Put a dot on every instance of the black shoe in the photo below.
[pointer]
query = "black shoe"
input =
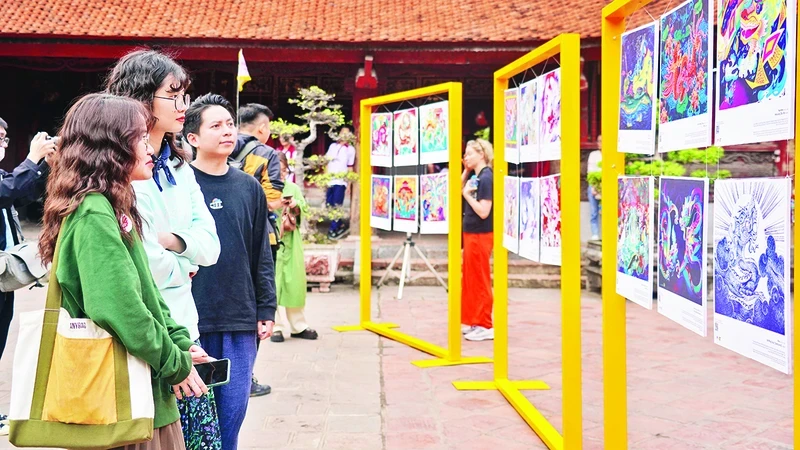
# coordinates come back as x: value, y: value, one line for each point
x: 343, y: 231
x: 308, y: 333
x: 277, y: 336
x: 257, y: 390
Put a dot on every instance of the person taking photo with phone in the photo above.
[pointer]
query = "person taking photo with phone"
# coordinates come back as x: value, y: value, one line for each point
x: 236, y: 297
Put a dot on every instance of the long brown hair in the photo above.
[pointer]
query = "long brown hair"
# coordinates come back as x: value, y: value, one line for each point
x: 139, y: 75
x: 96, y: 153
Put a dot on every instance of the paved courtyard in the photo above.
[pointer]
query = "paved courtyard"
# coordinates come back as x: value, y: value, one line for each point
x: 356, y: 391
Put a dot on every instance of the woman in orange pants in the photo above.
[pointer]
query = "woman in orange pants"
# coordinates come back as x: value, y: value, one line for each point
x: 476, y: 281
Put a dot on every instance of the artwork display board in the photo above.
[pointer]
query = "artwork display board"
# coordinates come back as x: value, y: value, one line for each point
x: 381, y: 146
x: 406, y: 203
x: 511, y: 121
x: 635, y: 240
x: 433, y: 199
x: 406, y: 137
x: 550, y: 206
x: 381, y: 202
x: 752, y: 245
x: 529, y: 218
x: 550, y: 118
x: 638, y: 104
x: 682, y: 256
x: 755, y: 71
x: 511, y: 214
x: 529, y: 129
x: 685, y: 77
x: 434, y: 133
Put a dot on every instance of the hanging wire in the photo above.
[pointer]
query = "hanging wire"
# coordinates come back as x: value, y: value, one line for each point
x: 386, y: 108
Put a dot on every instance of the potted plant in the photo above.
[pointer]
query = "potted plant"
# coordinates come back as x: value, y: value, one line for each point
x: 322, y: 255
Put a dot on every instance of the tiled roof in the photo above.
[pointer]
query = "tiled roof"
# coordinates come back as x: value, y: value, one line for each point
x: 430, y: 21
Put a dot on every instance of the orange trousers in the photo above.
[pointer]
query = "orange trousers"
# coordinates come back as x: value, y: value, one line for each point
x: 476, y: 281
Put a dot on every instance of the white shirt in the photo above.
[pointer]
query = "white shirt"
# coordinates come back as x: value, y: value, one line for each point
x: 342, y: 156
x: 593, y: 165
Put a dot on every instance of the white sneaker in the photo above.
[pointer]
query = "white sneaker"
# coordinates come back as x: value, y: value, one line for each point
x: 3, y: 429
x: 480, y: 334
x: 595, y: 237
x: 466, y: 328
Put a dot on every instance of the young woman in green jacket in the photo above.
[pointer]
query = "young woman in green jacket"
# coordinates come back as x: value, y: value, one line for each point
x: 102, y: 266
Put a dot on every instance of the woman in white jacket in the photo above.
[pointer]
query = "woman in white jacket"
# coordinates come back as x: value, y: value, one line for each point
x: 179, y: 233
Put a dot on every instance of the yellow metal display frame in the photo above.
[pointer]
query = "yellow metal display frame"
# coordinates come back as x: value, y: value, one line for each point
x: 615, y: 406
x: 451, y: 355
x: 568, y: 46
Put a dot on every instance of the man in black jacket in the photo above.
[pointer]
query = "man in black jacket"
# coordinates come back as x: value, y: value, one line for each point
x: 21, y: 186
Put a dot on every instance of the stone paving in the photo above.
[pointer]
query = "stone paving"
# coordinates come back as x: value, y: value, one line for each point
x: 356, y: 391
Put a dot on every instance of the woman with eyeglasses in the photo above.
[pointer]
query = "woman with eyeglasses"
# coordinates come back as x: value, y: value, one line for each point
x: 178, y: 230
x: 476, y: 281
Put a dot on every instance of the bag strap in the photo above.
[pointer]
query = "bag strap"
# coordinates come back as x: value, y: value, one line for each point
x: 246, y: 150
x: 52, y: 311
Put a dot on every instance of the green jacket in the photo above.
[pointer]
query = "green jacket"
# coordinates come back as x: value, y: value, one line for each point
x: 104, y: 279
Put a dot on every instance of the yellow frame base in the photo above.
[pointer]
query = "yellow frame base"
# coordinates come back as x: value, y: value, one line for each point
x: 511, y: 391
x: 385, y: 330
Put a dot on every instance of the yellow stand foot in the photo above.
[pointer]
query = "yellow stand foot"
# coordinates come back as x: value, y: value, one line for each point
x: 522, y: 385
x: 344, y: 328
x: 426, y: 363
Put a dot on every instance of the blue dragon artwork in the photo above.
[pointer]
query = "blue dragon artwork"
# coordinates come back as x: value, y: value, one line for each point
x: 680, y: 237
x: 750, y: 238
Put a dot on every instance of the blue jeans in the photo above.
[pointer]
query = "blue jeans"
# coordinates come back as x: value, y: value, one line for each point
x: 594, y: 212
x: 232, y: 398
x: 335, y: 197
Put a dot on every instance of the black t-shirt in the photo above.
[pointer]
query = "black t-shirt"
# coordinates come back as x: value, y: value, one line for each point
x: 472, y: 222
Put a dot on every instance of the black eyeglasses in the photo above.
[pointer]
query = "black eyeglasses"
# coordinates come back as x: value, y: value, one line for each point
x: 4, y: 141
x: 181, y: 101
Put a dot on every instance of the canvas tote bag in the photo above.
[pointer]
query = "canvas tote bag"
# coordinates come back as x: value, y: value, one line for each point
x: 73, y: 385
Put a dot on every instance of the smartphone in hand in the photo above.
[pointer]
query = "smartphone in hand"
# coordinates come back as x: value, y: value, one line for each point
x: 215, y: 373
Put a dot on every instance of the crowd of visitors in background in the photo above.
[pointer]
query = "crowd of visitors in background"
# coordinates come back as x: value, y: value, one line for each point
x: 188, y: 254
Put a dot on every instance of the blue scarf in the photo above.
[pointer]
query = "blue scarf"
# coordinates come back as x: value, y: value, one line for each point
x: 161, y: 162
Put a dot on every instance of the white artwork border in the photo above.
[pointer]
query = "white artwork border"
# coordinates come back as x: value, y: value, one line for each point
x: 406, y: 159
x: 764, y: 204
x: 529, y: 119
x: 511, y: 147
x: 439, y: 155
x: 381, y: 222
x: 377, y: 160
x: 766, y: 120
x: 549, y: 151
x: 529, y: 245
x: 635, y: 289
x: 511, y: 242
x: 435, y: 227
x: 677, y: 308
x: 696, y: 131
x: 643, y: 142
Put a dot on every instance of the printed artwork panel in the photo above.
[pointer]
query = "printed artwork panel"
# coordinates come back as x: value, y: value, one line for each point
x: 550, y: 192
x: 381, y: 202
x: 381, y: 146
x: 406, y: 203
x: 685, y: 77
x: 433, y: 133
x: 511, y: 102
x: 511, y: 214
x: 682, y: 260
x: 550, y: 118
x: 638, y: 98
x: 755, y: 71
x: 433, y: 199
x: 529, y: 129
x: 635, y: 240
x: 752, y: 245
x: 529, y: 218
x: 406, y: 137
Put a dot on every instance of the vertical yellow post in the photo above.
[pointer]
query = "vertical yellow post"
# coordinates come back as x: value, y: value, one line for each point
x: 365, y: 284
x: 500, y: 170
x: 571, y: 241
x: 454, y: 237
x: 615, y: 393
x: 796, y: 312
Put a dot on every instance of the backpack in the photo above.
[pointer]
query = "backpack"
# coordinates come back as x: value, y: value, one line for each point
x: 238, y: 160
